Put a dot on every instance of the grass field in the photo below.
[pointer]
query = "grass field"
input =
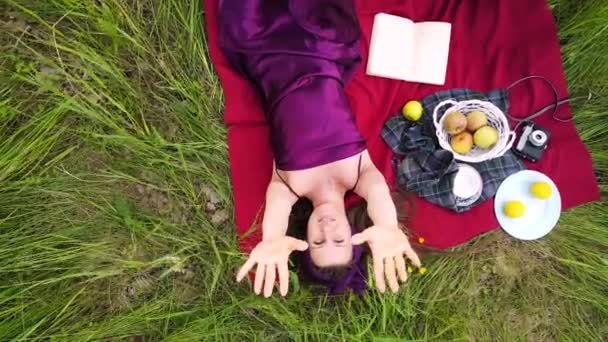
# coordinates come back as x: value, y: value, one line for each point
x: 115, y: 201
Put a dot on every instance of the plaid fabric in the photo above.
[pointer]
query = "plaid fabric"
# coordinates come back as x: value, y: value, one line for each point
x: 427, y: 170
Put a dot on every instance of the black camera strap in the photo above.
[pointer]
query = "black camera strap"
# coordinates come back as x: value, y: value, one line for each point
x: 554, y: 106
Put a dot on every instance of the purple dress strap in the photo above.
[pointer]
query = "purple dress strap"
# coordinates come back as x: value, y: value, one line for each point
x: 300, y: 54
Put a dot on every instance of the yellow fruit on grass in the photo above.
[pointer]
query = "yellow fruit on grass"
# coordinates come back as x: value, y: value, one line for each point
x: 485, y: 137
x: 412, y: 110
x: 476, y: 120
x: 455, y: 123
x: 462, y: 143
x: 514, y: 209
x: 541, y: 190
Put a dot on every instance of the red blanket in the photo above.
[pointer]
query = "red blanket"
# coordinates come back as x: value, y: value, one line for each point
x: 493, y: 44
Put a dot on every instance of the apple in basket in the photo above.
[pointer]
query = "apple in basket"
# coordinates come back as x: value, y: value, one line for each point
x: 485, y: 137
x: 476, y: 120
x: 462, y: 142
x: 455, y: 123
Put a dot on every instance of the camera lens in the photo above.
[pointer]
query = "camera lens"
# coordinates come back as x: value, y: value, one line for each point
x: 538, y: 138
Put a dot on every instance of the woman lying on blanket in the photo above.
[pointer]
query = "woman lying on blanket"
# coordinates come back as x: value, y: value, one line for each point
x: 300, y: 54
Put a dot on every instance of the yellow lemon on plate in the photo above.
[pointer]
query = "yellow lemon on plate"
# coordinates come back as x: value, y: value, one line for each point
x: 541, y: 190
x: 412, y: 110
x: 514, y: 209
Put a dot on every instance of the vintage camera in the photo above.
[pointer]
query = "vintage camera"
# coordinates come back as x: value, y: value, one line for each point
x: 533, y: 141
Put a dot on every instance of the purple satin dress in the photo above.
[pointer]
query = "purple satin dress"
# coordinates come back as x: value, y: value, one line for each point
x: 300, y: 54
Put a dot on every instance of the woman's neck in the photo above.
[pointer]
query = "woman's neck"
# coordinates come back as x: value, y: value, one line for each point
x: 328, y: 197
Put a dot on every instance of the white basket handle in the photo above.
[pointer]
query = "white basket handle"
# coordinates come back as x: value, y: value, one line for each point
x: 507, y: 146
x: 441, y: 104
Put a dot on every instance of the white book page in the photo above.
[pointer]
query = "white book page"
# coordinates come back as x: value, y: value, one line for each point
x: 391, y: 47
x: 430, y: 52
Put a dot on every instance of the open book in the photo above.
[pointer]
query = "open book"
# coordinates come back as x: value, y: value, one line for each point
x: 404, y: 50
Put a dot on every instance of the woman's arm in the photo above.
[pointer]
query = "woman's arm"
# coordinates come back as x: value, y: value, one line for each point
x: 279, y: 201
x: 386, y: 240
x: 373, y: 188
x: 272, y: 253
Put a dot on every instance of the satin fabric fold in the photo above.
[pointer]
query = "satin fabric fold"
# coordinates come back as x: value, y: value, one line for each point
x: 300, y: 54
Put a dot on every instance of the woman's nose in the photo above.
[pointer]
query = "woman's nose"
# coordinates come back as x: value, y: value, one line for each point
x: 326, y: 228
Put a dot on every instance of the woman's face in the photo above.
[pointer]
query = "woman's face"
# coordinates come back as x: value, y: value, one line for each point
x: 329, y: 237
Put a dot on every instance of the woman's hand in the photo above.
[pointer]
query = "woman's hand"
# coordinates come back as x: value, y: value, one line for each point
x: 388, y: 245
x: 271, y: 256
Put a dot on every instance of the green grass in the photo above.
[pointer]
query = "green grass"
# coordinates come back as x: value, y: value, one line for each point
x: 112, y: 138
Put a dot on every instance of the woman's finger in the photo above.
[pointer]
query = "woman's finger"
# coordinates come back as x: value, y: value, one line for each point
x: 269, y: 281
x: 401, y: 269
x: 245, y: 269
x: 283, y: 278
x: 391, y: 274
x: 259, y: 278
x: 359, y: 238
x: 412, y: 256
x: 379, y: 274
x: 298, y: 245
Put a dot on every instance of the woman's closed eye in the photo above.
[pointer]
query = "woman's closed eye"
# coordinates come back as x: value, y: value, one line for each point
x: 321, y: 242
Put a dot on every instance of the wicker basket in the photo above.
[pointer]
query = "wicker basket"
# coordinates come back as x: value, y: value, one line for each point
x: 496, y: 119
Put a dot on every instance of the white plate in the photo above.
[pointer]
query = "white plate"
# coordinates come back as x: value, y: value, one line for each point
x: 540, y: 216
